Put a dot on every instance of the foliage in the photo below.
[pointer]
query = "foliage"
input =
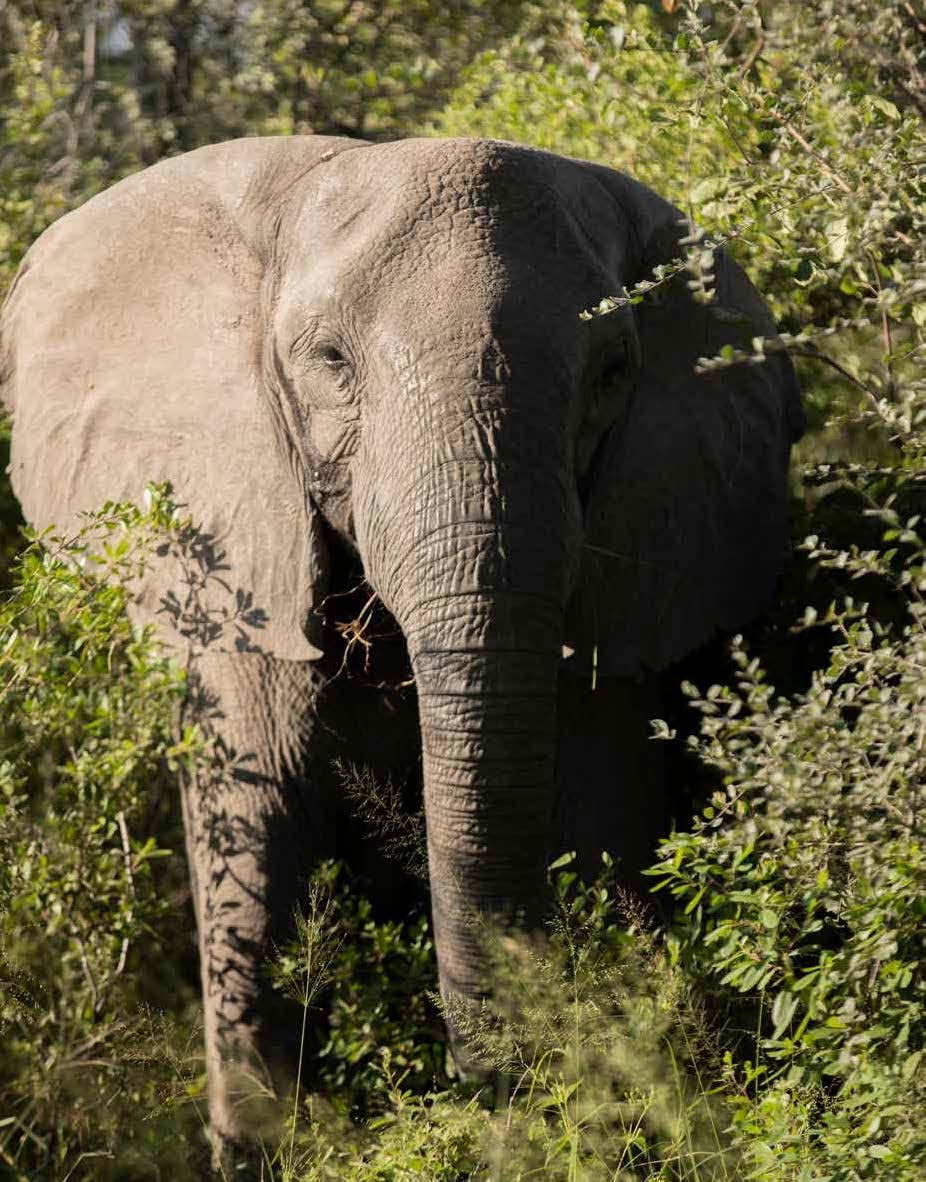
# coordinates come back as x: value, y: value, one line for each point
x: 11, y: 521
x: 595, y: 1039
x: 378, y: 975
x: 804, y: 882
x: 86, y: 801
x: 62, y: 138
x: 605, y: 1044
x: 793, y: 131
x: 365, y: 69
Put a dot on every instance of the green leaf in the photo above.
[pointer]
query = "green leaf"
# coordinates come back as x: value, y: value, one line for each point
x: 884, y: 106
x: 837, y: 238
x: 783, y: 1009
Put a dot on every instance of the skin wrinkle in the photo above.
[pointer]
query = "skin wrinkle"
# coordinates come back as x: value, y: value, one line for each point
x: 414, y: 606
x: 497, y: 651
x: 490, y: 670
x: 530, y: 766
x: 419, y: 606
x: 488, y: 513
x: 460, y: 814
x: 508, y: 782
x: 449, y: 734
x: 501, y: 796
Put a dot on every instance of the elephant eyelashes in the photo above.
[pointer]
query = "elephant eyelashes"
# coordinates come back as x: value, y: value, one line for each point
x: 312, y: 351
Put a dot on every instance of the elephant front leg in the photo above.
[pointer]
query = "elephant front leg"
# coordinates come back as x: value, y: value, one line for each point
x: 254, y: 831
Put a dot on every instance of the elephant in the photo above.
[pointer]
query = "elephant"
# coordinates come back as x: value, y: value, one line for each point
x: 374, y: 361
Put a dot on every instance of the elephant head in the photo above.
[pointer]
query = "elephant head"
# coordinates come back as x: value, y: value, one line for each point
x: 321, y: 343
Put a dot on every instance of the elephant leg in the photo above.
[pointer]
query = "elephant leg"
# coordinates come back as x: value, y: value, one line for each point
x: 255, y: 827
x: 611, y: 775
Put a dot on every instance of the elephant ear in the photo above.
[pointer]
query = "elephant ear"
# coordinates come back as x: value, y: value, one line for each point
x: 687, y: 514
x: 131, y: 353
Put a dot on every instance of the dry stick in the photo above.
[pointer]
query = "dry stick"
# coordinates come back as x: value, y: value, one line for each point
x: 85, y: 965
x: 751, y: 59
x: 17, y: 1177
x: 127, y: 861
x: 734, y: 29
x: 89, y: 53
x: 78, y: 936
x: 919, y: 750
x: 809, y: 351
x: 908, y: 8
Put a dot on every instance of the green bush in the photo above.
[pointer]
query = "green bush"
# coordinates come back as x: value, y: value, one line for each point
x: 594, y: 1036
x: 804, y: 892
x: 379, y: 979
x: 89, y: 950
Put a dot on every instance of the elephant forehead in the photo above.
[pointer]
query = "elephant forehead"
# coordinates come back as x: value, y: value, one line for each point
x: 470, y: 213
x: 497, y: 326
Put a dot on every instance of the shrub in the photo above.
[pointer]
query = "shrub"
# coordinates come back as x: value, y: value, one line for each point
x: 804, y: 885
x: 379, y: 1011
x: 88, y: 890
x: 594, y: 1035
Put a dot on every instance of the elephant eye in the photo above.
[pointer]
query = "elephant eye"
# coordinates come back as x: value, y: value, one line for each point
x: 332, y: 357
x: 618, y: 365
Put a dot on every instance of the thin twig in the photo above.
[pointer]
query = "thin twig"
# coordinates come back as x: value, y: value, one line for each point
x: 127, y: 862
x: 808, y: 351
x: 88, y: 971
x: 885, y: 327
x: 812, y: 151
x: 908, y: 8
x: 751, y: 59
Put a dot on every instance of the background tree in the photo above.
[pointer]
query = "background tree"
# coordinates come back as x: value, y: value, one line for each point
x: 92, y: 91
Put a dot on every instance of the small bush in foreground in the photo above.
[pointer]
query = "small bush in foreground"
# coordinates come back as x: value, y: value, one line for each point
x: 804, y: 886
x: 88, y: 892
x: 593, y: 1039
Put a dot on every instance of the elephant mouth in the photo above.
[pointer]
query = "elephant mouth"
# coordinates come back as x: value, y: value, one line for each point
x: 363, y: 640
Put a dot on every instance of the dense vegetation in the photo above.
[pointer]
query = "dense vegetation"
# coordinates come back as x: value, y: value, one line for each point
x: 774, y: 1028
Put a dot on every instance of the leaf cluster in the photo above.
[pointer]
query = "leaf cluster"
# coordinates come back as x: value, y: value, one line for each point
x: 87, y: 801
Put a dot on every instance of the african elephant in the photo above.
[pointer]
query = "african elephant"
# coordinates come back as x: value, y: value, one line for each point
x: 344, y: 354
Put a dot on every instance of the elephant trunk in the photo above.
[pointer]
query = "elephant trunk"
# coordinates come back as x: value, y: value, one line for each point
x: 486, y: 672
x: 490, y: 528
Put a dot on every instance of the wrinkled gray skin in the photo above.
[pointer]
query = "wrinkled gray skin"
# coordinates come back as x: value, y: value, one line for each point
x: 331, y: 347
